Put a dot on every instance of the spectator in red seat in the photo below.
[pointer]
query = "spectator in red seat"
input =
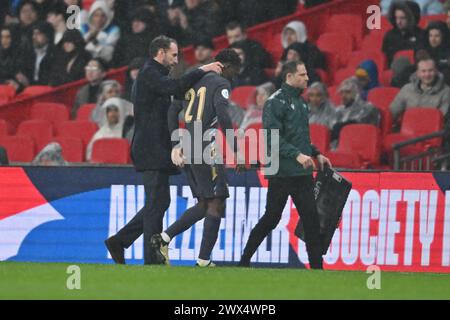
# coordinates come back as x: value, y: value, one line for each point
x: 406, y: 35
x: 144, y: 28
x: 100, y: 34
x: 36, y: 63
x: 438, y: 43
x: 110, y: 89
x: 367, y: 76
x: 51, y: 155
x: 296, y: 52
x: 9, y: 51
x: 254, y: 112
x: 235, y: 32
x: 426, y: 89
x: 196, y: 19
x: 113, y: 118
x: 322, y: 110
x: 95, y: 73
x: 250, y: 74
x: 57, y: 18
x: 295, y: 31
x: 70, y: 59
x: 354, y: 108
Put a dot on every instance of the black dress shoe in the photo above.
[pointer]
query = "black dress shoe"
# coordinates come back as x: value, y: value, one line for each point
x: 116, y: 250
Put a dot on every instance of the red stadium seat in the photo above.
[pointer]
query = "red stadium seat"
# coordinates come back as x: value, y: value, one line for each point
x: 72, y: 148
x: 19, y: 149
x: 335, y: 97
x: 113, y: 151
x: 34, y: 91
x: 337, y: 47
x: 320, y: 136
x: 7, y: 93
x: 417, y: 122
x: 275, y: 48
x: 347, y: 23
x: 386, y: 78
x: 83, y: 130
x: 343, y: 74
x: 323, y: 76
x: 41, y: 131
x: 359, y: 147
x: 53, y: 112
x: 382, y: 97
x: 85, y: 111
x: 405, y: 53
x: 243, y: 96
x: 425, y: 20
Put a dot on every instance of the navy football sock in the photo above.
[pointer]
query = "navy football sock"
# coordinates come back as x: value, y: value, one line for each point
x: 188, y: 219
x: 210, y: 234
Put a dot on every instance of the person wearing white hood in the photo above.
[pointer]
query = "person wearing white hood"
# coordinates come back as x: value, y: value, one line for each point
x: 295, y: 31
x: 100, y: 34
x: 114, y: 118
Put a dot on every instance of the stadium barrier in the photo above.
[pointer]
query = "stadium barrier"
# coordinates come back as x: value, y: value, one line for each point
x: 399, y: 221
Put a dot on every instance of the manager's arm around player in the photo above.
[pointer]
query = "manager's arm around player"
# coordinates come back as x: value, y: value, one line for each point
x: 287, y: 112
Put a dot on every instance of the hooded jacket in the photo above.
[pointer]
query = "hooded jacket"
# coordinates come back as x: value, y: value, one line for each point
x: 371, y: 69
x: 104, y: 43
x: 410, y: 39
x: 440, y: 54
x: 411, y: 95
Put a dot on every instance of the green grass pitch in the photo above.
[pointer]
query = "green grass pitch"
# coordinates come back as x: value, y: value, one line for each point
x: 48, y: 281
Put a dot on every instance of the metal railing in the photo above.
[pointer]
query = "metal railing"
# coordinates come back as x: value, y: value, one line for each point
x: 423, y: 160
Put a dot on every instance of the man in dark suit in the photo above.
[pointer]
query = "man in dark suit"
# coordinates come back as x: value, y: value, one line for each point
x: 151, y: 147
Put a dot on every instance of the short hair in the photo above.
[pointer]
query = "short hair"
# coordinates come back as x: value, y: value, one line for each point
x: 290, y: 67
x: 101, y: 62
x: 160, y: 42
x: 230, y: 57
x: 425, y: 59
x: 233, y: 25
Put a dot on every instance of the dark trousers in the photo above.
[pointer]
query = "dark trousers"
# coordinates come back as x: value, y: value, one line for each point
x: 149, y: 220
x: 301, y: 190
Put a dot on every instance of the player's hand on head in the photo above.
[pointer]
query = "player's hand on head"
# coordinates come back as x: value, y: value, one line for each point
x: 306, y: 161
x: 323, y: 162
x: 178, y: 157
x: 214, y: 67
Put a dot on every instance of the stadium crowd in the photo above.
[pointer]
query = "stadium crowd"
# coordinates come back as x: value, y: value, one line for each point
x: 38, y: 48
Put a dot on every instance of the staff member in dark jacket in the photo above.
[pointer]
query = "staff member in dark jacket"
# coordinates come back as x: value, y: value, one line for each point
x: 287, y: 112
x: 151, y: 147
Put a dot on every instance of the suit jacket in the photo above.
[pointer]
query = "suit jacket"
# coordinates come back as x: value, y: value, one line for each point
x: 151, y: 95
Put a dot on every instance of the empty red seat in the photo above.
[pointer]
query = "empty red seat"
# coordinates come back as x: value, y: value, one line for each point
x: 19, y: 149
x: 243, y: 96
x: 72, y: 148
x: 7, y: 93
x: 382, y: 97
x: 41, y: 131
x: 347, y: 23
x: 416, y: 122
x: 386, y: 78
x: 113, y: 151
x: 343, y: 74
x: 83, y: 130
x: 335, y: 97
x: 359, y: 147
x: 53, y: 112
x: 320, y: 136
x: 85, y: 111
x: 34, y: 91
x: 337, y: 47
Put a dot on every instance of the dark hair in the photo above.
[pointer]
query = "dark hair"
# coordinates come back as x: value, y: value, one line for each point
x: 24, y: 3
x: 160, y: 42
x: 233, y: 25
x: 426, y: 58
x: 289, y: 67
x: 102, y: 63
x: 229, y: 57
